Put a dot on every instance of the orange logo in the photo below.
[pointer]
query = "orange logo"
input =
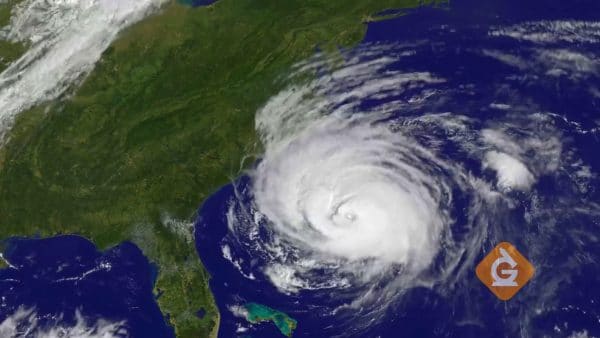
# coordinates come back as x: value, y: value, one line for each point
x: 504, y: 271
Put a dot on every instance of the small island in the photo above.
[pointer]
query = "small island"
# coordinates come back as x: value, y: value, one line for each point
x: 256, y: 313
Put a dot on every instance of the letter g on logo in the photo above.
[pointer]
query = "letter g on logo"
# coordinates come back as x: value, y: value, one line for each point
x: 512, y: 274
x: 504, y: 271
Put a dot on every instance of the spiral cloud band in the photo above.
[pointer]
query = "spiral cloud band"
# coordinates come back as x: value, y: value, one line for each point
x: 355, y: 192
x: 372, y: 182
x: 343, y: 193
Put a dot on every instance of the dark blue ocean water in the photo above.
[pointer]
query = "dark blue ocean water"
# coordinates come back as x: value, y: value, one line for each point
x: 198, y: 3
x: 59, y: 275
x: 455, y: 36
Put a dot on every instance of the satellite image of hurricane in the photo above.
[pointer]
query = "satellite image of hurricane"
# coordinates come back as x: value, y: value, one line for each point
x: 303, y: 169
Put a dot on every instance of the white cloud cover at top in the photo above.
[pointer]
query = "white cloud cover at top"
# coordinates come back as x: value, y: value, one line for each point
x: 547, y: 31
x: 65, y: 38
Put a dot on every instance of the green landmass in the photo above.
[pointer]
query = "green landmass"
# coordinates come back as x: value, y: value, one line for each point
x: 165, y: 119
x: 3, y: 262
x: 5, y: 11
x: 261, y: 313
x: 9, y: 51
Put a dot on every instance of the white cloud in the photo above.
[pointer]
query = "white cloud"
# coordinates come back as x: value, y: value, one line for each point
x: 521, y: 151
x: 26, y: 323
x: 552, y: 31
x: 581, y: 334
x: 184, y: 229
x: 66, y: 38
x: 511, y: 173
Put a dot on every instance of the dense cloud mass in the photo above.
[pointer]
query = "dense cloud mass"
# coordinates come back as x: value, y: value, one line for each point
x: 65, y: 38
x: 373, y: 181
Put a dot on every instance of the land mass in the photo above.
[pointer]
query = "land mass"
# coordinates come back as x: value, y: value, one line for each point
x: 9, y: 50
x: 165, y: 119
x: 257, y: 313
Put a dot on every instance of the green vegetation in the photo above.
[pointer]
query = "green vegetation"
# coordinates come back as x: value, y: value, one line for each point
x: 164, y: 120
x: 3, y: 263
x: 5, y: 10
x: 9, y: 51
x: 260, y: 313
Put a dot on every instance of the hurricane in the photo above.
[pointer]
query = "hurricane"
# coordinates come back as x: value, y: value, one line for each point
x: 368, y: 198
x: 382, y: 177
x: 353, y: 194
